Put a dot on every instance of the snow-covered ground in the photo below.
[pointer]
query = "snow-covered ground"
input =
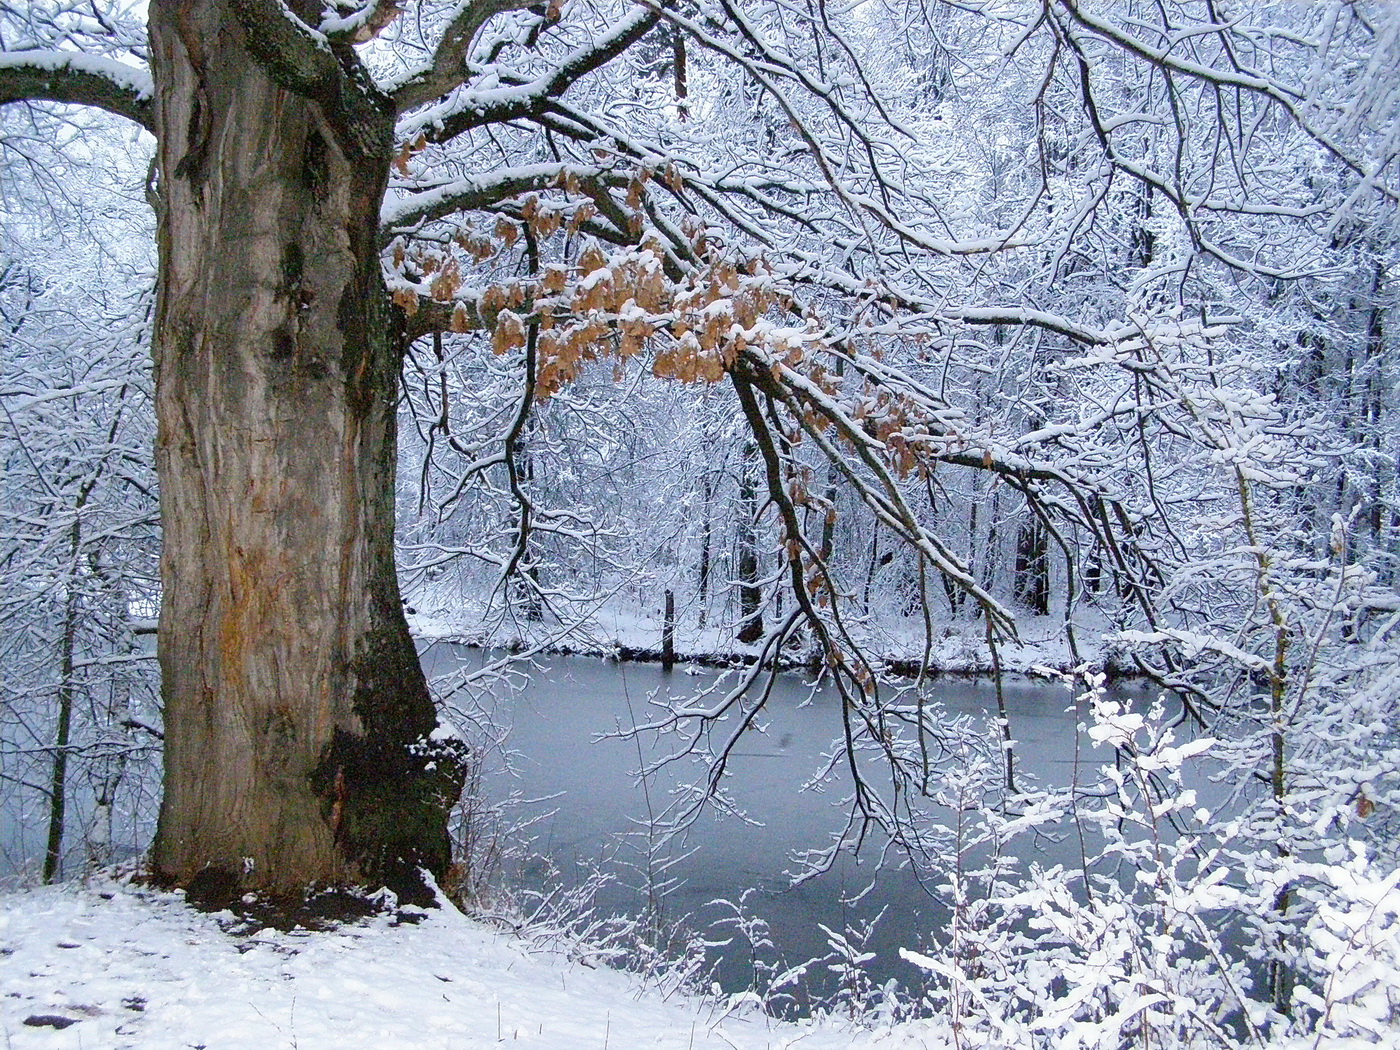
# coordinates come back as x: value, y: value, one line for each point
x: 113, y: 965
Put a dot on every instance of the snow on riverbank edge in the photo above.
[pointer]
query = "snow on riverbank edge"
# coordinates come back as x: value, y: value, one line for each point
x: 960, y: 648
x: 132, y: 967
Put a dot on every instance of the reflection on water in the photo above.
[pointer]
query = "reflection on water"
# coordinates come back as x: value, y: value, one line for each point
x: 563, y: 733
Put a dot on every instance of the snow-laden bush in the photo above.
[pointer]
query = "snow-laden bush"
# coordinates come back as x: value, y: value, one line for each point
x: 1350, y: 955
x: 1171, y: 933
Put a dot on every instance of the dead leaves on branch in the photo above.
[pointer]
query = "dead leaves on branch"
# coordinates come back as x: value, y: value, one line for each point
x: 602, y: 305
x: 407, y: 152
x: 620, y: 304
x: 618, y: 307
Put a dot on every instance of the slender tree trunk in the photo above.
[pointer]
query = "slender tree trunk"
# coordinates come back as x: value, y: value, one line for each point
x: 1374, y: 414
x: 1093, y: 569
x: 527, y: 584
x: 750, y: 594
x: 668, y: 632
x: 297, y: 718
x: 58, y: 781
x: 703, y: 584
x: 957, y: 597
x: 991, y: 563
x: 1032, y: 584
x: 873, y: 564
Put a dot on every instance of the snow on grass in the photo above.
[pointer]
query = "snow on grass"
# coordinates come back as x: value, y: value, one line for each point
x: 130, y: 967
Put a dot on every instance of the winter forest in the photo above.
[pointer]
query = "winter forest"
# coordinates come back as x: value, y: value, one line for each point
x: 362, y: 360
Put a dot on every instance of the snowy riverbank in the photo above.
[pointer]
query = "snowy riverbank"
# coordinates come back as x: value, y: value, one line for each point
x: 635, y: 633
x: 111, y: 965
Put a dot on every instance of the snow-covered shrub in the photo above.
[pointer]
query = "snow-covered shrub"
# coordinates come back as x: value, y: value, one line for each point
x: 1349, y: 954
x: 1166, y: 935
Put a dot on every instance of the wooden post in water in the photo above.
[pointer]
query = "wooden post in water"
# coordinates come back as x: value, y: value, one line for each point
x: 668, y: 633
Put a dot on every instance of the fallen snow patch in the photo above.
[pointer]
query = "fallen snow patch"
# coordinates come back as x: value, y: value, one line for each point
x: 130, y: 967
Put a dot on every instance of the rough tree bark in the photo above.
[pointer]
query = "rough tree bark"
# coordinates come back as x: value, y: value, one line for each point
x: 298, y: 725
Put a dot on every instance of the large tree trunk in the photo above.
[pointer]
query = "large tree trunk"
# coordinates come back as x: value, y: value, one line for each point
x: 297, y: 718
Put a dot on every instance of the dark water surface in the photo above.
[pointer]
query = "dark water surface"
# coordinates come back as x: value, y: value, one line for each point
x: 563, y: 734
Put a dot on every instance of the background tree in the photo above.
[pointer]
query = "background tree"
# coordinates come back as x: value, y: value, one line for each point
x: 79, y: 723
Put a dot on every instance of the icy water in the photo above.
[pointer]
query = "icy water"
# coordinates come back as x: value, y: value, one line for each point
x: 564, y: 726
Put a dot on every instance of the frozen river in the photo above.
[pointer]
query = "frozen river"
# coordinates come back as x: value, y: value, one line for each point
x: 564, y: 726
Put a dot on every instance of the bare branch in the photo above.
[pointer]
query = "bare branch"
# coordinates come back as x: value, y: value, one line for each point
x: 78, y: 79
x: 532, y: 99
x: 482, y: 192
x: 448, y: 69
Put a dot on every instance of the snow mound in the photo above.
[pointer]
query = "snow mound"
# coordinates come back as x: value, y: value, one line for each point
x: 113, y: 965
